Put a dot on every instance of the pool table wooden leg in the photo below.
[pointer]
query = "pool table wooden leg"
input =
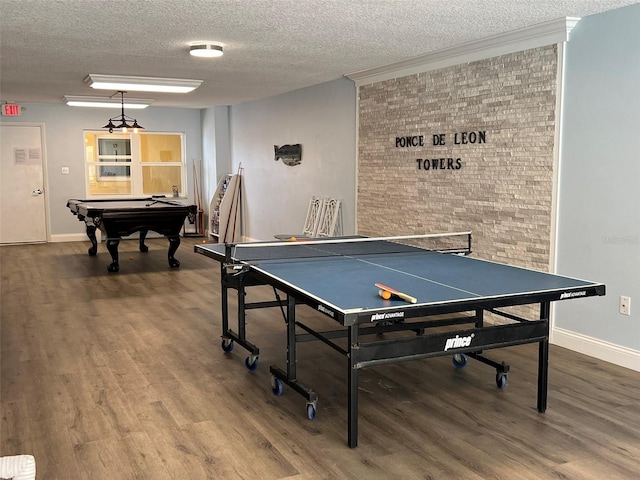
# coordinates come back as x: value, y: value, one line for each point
x: 112, y: 246
x: 91, y: 233
x: 174, y: 243
x: 143, y: 236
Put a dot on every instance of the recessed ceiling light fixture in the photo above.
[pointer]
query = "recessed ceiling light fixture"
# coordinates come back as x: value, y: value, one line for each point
x: 206, y: 50
x: 141, y: 84
x: 106, y: 102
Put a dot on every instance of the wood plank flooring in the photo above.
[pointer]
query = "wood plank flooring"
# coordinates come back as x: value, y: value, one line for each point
x: 121, y: 376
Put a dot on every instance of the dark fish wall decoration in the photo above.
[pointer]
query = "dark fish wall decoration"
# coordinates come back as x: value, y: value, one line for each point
x: 291, y: 155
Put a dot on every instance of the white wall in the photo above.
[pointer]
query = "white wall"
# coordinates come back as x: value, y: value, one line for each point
x: 64, y: 145
x: 215, y: 151
x: 323, y: 119
x: 599, y: 186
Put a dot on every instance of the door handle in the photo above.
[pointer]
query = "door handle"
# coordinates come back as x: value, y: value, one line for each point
x: 37, y: 192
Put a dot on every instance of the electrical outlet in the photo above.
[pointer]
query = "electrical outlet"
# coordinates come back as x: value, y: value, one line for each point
x: 65, y: 170
x: 625, y: 305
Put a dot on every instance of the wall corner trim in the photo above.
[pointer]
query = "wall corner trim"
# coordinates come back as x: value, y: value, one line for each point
x: 547, y: 33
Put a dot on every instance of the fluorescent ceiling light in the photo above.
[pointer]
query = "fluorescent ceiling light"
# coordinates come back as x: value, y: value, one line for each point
x: 206, y: 50
x: 141, y: 84
x: 106, y: 102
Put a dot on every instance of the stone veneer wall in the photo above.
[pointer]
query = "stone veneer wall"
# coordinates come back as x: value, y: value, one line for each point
x: 503, y: 190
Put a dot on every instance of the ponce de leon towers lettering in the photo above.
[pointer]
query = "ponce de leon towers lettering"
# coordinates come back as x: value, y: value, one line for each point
x: 439, y: 140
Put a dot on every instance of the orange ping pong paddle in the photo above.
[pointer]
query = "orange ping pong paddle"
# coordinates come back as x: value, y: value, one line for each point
x: 394, y: 292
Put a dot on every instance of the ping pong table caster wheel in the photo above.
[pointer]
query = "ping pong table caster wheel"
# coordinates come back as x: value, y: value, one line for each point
x: 251, y: 362
x: 276, y: 386
x: 501, y: 379
x: 227, y: 345
x: 459, y: 360
x: 311, y: 411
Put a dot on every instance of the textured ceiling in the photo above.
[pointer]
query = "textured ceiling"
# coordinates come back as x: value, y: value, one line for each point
x: 271, y: 46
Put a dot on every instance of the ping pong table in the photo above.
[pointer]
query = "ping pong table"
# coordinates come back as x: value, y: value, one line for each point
x: 336, y: 277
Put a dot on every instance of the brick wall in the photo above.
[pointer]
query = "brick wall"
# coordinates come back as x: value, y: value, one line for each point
x: 503, y: 188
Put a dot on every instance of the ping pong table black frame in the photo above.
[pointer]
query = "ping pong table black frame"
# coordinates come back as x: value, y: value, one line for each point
x: 361, y: 354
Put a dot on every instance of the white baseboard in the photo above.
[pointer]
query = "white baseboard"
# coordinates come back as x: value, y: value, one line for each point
x: 609, y: 352
x: 69, y: 237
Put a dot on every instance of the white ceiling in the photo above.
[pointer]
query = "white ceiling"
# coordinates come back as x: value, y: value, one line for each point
x: 271, y: 46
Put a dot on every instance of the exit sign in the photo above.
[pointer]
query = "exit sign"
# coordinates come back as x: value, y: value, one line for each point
x: 11, y: 110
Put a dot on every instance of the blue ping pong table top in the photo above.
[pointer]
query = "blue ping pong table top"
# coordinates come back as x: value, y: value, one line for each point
x: 346, y: 283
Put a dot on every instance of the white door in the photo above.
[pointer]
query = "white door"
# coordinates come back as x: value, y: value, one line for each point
x: 22, y: 199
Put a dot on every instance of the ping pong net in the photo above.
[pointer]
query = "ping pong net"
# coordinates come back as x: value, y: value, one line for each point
x: 247, y: 253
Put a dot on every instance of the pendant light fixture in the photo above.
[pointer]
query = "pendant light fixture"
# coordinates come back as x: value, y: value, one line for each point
x: 123, y: 125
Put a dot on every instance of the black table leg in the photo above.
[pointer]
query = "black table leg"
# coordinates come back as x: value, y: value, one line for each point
x: 143, y: 236
x: 290, y: 376
x: 112, y: 246
x: 174, y: 243
x: 224, y: 300
x: 543, y: 374
x: 543, y: 362
x: 352, y: 418
x: 91, y: 233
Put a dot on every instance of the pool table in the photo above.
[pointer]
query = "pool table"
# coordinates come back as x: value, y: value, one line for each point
x: 117, y: 218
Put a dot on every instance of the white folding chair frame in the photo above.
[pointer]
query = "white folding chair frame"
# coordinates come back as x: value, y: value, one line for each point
x: 324, y: 219
x: 331, y: 221
x: 314, y: 217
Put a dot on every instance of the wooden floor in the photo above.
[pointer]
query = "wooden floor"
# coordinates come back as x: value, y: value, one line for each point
x: 121, y: 376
